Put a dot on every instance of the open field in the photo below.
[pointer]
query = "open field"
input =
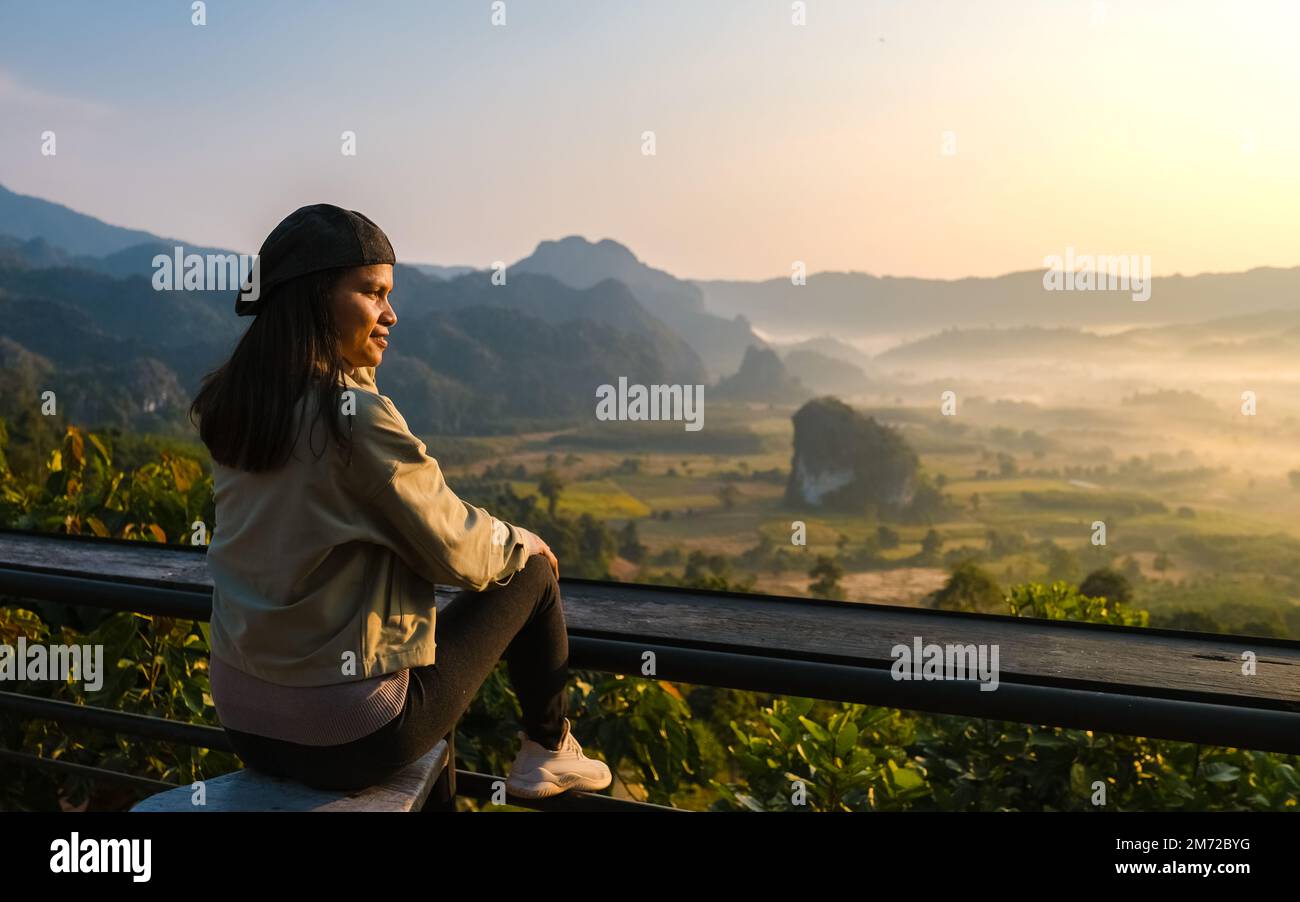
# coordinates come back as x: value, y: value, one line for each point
x: 1201, y: 516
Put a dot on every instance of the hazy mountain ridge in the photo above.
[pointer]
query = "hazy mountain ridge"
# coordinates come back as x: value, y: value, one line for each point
x: 860, y: 304
x: 434, y: 271
x: 606, y: 313
x: 719, y: 341
x: 1257, y: 339
x: 762, y: 378
x: 26, y: 217
x: 547, y: 299
x: 467, y: 355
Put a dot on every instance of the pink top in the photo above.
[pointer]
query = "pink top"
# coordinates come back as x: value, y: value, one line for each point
x: 307, y: 715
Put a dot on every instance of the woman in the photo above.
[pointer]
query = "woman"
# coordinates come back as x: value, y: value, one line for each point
x: 323, y: 562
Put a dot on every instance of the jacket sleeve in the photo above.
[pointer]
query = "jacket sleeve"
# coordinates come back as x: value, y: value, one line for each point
x: 441, y: 537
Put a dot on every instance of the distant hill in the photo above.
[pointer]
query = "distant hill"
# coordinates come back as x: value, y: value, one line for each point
x: 826, y: 346
x: 1183, y: 404
x: 37, y: 253
x: 548, y: 299
x: 17, y: 359
x: 1254, y: 343
x: 441, y: 272
x: 76, y: 233
x: 475, y: 368
x: 762, y: 377
x: 981, y: 345
x: 466, y: 356
x: 846, y: 461
x: 137, y: 260
x: 127, y: 307
x: 515, y: 367
x: 863, y: 305
x: 94, y: 279
x: 720, y: 342
x: 825, y: 374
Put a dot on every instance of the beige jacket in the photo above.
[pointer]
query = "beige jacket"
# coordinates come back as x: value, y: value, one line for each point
x: 324, y: 573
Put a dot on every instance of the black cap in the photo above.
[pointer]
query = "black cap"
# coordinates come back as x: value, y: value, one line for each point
x: 321, y: 236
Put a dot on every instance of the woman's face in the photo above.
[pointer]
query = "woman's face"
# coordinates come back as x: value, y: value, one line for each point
x: 362, y: 313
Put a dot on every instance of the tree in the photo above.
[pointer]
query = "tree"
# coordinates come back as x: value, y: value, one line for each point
x: 826, y: 574
x: 887, y: 537
x: 1107, y: 583
x: 629, y: 543
x: 969, y: 588
x: 927, y: 503
x: 707, y: 571
x: 549, y: 486
x: 1006, y: 465
x: 1061, y: 563
x: 931, y: 544
x: 1002, y: 544
x: 728, y: 494
x: 1131, y: 570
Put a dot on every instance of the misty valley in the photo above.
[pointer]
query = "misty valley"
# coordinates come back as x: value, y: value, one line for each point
x: 944, y: 459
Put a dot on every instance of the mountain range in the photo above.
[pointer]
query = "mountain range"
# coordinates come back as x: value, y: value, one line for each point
x: 468, y: 355
x: 79, y: 309
x: 878, y: 311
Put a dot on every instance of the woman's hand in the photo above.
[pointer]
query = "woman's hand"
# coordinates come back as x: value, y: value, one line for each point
x: 535, y: 545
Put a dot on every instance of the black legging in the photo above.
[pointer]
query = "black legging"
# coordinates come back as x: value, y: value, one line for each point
x: 522, y: 622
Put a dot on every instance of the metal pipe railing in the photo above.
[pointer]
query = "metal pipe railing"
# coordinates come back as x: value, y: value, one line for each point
x: 469, y: 784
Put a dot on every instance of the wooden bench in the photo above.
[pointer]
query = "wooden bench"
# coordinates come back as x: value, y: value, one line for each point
x: 1156, y: 683
x: 248, y: 790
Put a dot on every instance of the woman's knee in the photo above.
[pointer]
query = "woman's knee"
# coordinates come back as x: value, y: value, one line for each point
x: 539, y: 582
x: 537, y: 569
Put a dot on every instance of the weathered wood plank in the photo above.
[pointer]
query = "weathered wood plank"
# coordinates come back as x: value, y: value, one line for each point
x: 141, y: 563
x: 1043, y: 652
x: 249, y: 790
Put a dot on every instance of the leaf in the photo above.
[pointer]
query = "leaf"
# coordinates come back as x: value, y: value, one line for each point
x: 193, y: 698
x: 1047, y: 740
x: 1079, y: 780
x: 846, y: 740
x: 815, y: 729
x: 97, y: 527
x: 157, y: 532
x: 906, y: 779
x: 184, y: 471
x: 75, y: 447
x: 1220, y: 772
x: 100, y: 449
x: 670, y: 689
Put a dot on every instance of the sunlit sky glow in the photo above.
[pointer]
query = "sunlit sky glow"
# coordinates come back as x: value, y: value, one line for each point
x: 1127, y: 127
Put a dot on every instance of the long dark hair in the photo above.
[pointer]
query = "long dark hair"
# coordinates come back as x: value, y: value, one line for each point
x: 246, y: 406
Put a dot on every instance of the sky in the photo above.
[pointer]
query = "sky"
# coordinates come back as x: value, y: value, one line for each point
x: 899, y: 137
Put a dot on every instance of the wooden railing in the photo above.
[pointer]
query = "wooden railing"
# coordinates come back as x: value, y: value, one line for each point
x: 1135, y: 681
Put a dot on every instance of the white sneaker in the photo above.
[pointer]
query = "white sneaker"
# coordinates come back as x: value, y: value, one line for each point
x: 539, y: 772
